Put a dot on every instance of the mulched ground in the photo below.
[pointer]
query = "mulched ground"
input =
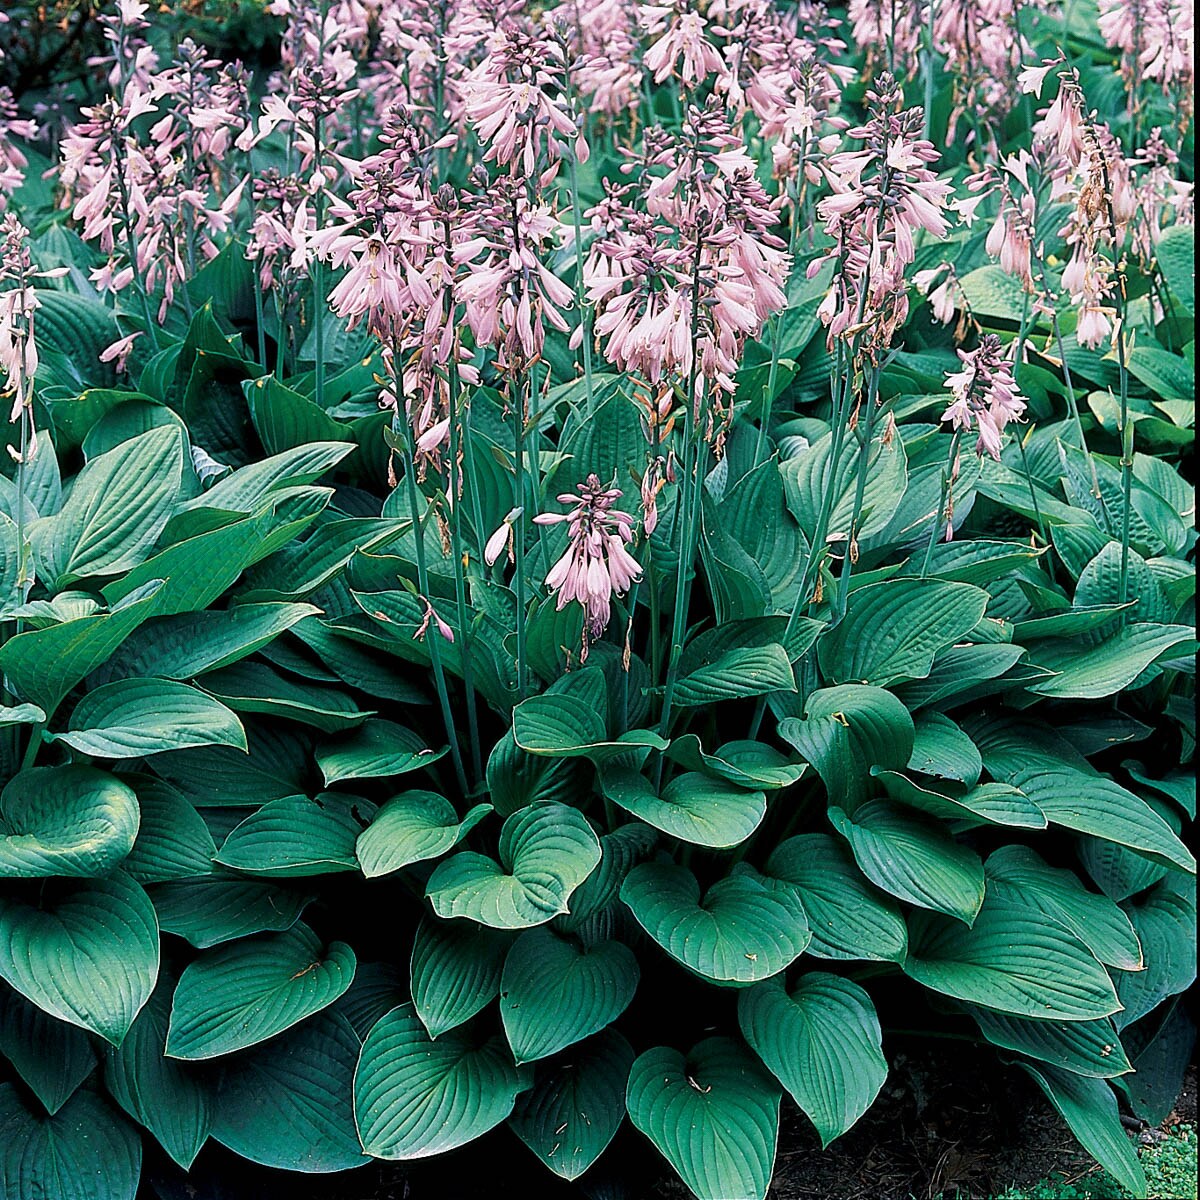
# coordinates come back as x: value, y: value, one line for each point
x: 948, y: 1122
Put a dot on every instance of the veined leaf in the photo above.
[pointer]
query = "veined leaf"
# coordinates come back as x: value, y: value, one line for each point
x: 742, y: 931
x: 822, y: 1041
x: 209, y: 911
x: 86, y: 953
x: 135, y: 717
x: 713, y: 1115
x: 576, y: 1105
x: 455, y: 971
x: 1085, y: 1047
x: 241, y: 994
x: 1014, y: 959
x: 895, y: 629
x: 692, y: 807
x: 554, y: 992
x: 1110, y: 665
x: 52, y: 1057
x: 546, y: 852
x: 69, y: 820
x: 376, y: 749
x: 413, y: 827
x: 414, y: 1097
x: 746, y: 671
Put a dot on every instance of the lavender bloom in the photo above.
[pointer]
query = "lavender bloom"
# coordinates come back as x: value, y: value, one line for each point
x: 596, y: 565
x: 985, y: 395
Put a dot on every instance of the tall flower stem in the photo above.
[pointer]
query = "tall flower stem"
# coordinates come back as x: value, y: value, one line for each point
x: 517, y: 403
x: 401, y: 426
x: 1018, y: 359
x: 863, y: 436
x: 939, y: 514
x: 460, y: 586
x: 580, y: 299
x: 929, y: 67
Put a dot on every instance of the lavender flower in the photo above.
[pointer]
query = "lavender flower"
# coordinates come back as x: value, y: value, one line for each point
x: 985, y: 395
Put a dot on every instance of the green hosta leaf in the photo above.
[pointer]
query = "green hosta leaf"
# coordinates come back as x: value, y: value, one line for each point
x: 1096, y: 805
x: 943, y: 750
x: 43, y: 665
x: 598, y: 896
x: 894, y: 630
x: 822, y: 1042
x: 1165, y: 920
x: 413, y: 827
x: 455, y: 971
x: 207, y: 912
x: 285, y: 420
x: 296, y: 836
x: 134, y: 717
x: 1089, y: 1107
x: 546, y: 852
x: 376, y: 749
x: 1108, y: 667
x: 289, y: 1105
x: 86, y: 1151
x: 1160, y: 1057
x: 567, y: 726
x: 239, y: 995
x: 1176, y: 254
x: 189, y: 644
x: 414, y: 1097
x: 173, y: 1100
x: 912, y: 859
x: 575, y: 1108
x: 52, y: 1057
x: 958, y: 670
x: 748, y: 671
x: 70, y: 820
x: 848, y: 730
x: 1117, y: 872
x: 984, y: 804
x: 173, y: 841
x: 117, y: 507
x: 692, y: 807
x: 745, y: 764
x: 742, y: 931
x: 253, y: 687
x: 849, y: 918
x: 377, y: 988
x: 516, y: 778
x: 1085, y: 1047
x: 1014, y: 959
x: 1016, y: 873
x: 84, y: 952
x: 714, y: 1116
x: 555, y: 992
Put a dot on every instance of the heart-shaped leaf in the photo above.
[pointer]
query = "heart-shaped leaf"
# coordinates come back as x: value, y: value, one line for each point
x: 296, y: 836
x: 714, y: 1116
x: 822, y: 1042
x: 70, y: 820
x: 849, y: 917
x: 174, y: 1100
x: 744, y: 930
x: 546, y: 852
x: 555, y: 992
x: 414, y: 1097
x: 568, y: 726
x: 84, y: 952
x: 173, y: 842
x: 134, y: 717
x: 53, y: 1058
x: 692, y: 807
x: 84, y: 1147
x: 241, y: 994
x: 575, y: 1108
x: 914, y: 860
x: 1015, y: 959
x: 288, y: 1104
x: 1085, y: 1047
x: 455, y: 971
x: 942, y: 749
x: 410, y: 828
x: 746, y: 764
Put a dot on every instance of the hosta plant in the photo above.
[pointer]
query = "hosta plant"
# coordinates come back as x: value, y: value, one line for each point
x: 516, y: 613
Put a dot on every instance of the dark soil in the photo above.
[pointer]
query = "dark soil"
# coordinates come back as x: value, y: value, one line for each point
x: 949, y: 1122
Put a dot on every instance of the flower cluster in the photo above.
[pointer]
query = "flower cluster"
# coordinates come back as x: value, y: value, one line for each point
x: 596, y: 565
x: 985, y: 394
